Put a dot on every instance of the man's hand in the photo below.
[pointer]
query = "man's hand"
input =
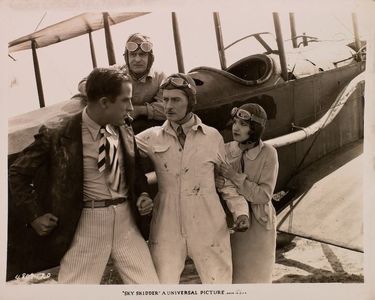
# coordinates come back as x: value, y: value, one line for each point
x: 138, y: 110
x: 43, y: 225
x: 82, y: 87
x: 242, y: 223
x: 144, y: 204
x: 227, y: 171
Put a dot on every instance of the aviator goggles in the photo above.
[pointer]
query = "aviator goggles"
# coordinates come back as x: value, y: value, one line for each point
x: 145, y: 46
x: 177, y: 82
x: 246, y: 116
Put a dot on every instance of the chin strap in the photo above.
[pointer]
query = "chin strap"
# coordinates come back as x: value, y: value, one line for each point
x: 186, y: 118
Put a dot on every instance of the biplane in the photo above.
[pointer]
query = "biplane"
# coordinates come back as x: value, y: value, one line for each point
x: 313, y: 96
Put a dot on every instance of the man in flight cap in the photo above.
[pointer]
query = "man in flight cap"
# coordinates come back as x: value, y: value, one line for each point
x: 188, y: 218
x: 139, y: 58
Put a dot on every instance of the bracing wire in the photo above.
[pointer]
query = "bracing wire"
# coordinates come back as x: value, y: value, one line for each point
x: 37, y: 26
x: 343, y: 25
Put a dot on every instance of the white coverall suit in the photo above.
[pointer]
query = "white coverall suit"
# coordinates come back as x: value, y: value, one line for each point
x: 188, y: 218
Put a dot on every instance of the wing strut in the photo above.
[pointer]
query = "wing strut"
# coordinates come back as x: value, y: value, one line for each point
x: 108, y: 40
x: 38, y: 78
x: 177, y: 44
x: 293, y: 29
x: 280, y: 46
x: 219, y: 40
x: 92, y: 50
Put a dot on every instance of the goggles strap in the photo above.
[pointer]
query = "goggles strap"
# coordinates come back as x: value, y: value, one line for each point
x: 245, y: 115
x: 177, y: 82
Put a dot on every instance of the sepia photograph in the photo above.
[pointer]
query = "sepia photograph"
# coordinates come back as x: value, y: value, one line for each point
x: 189, y: 150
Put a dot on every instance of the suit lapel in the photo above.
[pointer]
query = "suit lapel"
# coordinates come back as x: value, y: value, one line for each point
x: 127, y: 142
x: 127, y: 146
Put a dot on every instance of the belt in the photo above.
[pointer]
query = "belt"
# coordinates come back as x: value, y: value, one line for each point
x: 103, y: 202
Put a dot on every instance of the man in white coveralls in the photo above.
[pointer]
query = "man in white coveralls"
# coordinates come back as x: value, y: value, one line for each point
x: 188, y: 218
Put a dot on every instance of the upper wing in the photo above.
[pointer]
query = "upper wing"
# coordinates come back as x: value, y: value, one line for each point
x: 70, y: 28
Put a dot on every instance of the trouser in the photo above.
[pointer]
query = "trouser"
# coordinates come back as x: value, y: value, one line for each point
x: 213, y: 261
x: 103, y: 233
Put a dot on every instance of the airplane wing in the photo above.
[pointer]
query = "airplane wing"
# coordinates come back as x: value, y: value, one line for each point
x: 329, y: 206
x: 70, y: 28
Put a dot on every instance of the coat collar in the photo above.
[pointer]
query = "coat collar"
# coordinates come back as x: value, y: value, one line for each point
x: 150, y: 74
x: 126, y: 136
x: 73, y: 129
x: 250, y: 154
x: 186, y: 126
x: 167, y: 126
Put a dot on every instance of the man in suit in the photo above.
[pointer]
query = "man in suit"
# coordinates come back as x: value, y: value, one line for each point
x: 95, y: 193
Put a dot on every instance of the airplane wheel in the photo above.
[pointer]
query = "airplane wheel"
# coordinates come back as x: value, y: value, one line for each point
x: 283, y: 240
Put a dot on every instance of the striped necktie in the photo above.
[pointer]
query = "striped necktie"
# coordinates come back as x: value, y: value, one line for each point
x: 108, y: 159
x: 181, y: 135
x: 102, y: 144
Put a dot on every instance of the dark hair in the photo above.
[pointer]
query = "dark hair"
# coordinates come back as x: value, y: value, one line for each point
x: 105, y: 82
x: 256, y: 131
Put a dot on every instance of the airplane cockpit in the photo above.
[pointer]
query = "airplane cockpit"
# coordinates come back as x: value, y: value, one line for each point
x: 255, y: 69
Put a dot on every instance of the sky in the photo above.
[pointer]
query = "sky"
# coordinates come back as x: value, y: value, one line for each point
x: 63, y: 65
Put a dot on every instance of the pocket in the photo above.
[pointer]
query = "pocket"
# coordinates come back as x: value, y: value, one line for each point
x: 160, y: 148
x: 161, y: 156
x: 210, y: 203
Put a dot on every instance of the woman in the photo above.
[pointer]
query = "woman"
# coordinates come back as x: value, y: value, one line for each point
x: 253, y: 167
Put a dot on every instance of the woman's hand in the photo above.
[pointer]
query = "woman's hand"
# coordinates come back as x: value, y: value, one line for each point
x: 242, y: 223
x: 219, y: 181
x: 227, y: 171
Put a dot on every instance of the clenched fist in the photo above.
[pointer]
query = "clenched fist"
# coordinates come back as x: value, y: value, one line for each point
x: 43, y: 225
x: 144, y: 204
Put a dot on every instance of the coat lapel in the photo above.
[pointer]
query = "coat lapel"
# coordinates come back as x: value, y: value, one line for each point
x: 127, y: 135
x: 127, y: 146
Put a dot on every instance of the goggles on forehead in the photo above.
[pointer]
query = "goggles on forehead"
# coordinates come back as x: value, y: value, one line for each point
x: 246, y: 116
x: 177, y: 82
x: 145, y: 46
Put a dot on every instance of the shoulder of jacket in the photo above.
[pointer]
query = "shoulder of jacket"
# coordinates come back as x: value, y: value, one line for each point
x: 232, y: 149
x: 269, y: 149
x: 231, y: 145
x: 159, y: 74
x: 58, y: 125
x: 150, y: 132
x: 211, y: 131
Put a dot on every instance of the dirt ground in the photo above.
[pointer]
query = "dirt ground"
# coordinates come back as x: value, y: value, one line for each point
x: 306, y: 261
x: 309, y: 261
x: 300, y: 260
